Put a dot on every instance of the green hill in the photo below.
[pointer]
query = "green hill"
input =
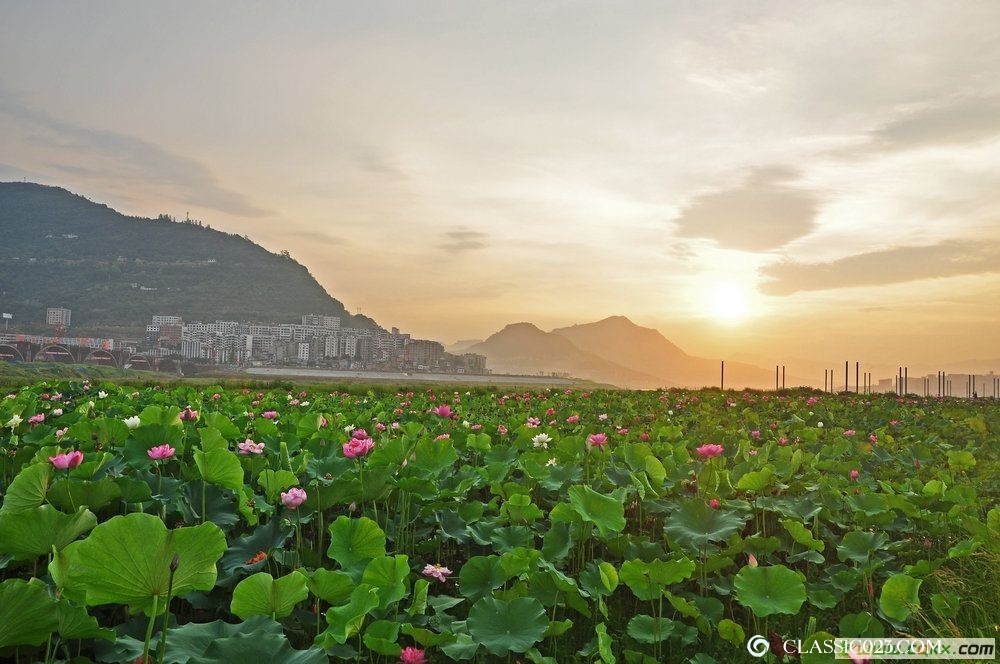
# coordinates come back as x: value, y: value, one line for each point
x: 60, y: 249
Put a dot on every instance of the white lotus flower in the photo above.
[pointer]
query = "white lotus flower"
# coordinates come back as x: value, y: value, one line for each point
x: 132, y: 422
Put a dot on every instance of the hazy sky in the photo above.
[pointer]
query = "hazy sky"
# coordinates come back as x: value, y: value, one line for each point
x: 771, y: 181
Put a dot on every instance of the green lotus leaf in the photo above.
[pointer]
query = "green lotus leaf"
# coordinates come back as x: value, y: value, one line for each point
x: 380, y: 637
x: 262, y: 595
x: 27, y: 614
x: 899, y: 597
x: 387, y: 575
x: 28, y: 488
x: 647, y: 629
x: 345, y: 621
x: 860, y: 625
x: 604, y: 644
x: 480, y: 575
x: 505, y: 627
x: 732, y: 632
x: 219, y: 466
x: 275, y: 481
x: 76, y: 623
x: 258, y: 648
x: 126, y: 560
x: 31, y: 533
x: 331, y: 586
x: 770, y: 590
x: 355, y: 540
x: 813, y: 650
x: 802, y: 535
x: 433, y: 457
x: 694, y: 524
x: 605, y: 512
x: 650, y: 580
x: 859, y: 546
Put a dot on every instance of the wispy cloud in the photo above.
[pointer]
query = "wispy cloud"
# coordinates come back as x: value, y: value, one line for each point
x: 890, y: 266
x: 464, y: 240
x: 100, y: 154
x: 762, y: 214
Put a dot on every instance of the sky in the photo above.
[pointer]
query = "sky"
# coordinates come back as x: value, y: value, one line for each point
x: 777, y: 182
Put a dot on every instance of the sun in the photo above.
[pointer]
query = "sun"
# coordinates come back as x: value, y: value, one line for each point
x: 729, y: 303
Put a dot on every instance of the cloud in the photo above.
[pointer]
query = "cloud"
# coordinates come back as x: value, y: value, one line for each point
x: 968, y: 120
x: 889, y: 266
x: 100, y: 154
x: 464, y: 240
x: 763, y: 214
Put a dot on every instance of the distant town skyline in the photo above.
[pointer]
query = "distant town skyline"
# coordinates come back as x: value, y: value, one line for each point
x: 766, y: 181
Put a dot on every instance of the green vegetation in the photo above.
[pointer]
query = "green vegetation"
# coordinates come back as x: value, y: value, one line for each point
x: 170, y: 524
x: 111, y: 270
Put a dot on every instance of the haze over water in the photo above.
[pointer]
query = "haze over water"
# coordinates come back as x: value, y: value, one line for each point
x: 770, y: 181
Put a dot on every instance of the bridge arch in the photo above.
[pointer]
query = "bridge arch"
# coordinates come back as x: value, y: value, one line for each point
x: 100, y: 356
x: 9, y: 353
x: 138, y: 361
x: 54, y: 353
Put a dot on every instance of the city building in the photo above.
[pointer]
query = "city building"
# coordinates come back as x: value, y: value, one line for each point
x: 58, y: 316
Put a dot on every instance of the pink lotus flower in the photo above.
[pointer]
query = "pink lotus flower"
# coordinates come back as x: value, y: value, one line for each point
x: 444, y: 410
x: 379, y: 427
x: 572, y: 419
x: 359, y: 433
x: 751, y: 560
x: 714, y: 503
x: 849, y: 432
x: 782, y: 441
x: 61, y: 432
x: 68, y: 460
x: 323, y: 422
x: 36, y: 419
x: 755, y: 434
x: 597, y: 439
x: 444, y: 436
x: 160, y: 452
x: 250, y: 447
x: 623, y: 431
x: 411, y: 655
x: 873, y: 438
x: 216, y: 396
x: 438, y: 571
x: 550, y: 412
x: 754, y: 452
x: 188, y: 415
x: 644, y: 436
x: 709, y: 450
x: 855, y: 475
x: 270, y: 414
x: 358, y: 447
x: 502, y: 430
x: 293, y: 497
x: 532, y: 422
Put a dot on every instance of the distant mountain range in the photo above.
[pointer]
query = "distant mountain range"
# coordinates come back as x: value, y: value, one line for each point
x: 60, y: 249
x: 614, y: 350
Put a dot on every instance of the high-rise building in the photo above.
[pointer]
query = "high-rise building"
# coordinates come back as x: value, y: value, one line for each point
x: 58, y: 316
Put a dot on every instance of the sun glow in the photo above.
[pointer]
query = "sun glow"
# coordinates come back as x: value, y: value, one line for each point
x: 729, y: 303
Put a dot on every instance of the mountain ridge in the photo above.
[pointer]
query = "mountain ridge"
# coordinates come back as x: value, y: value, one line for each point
x: 62, y: 249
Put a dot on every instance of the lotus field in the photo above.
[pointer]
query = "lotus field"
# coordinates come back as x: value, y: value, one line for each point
x: 288, y: 525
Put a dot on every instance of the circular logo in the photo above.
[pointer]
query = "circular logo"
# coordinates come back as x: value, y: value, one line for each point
x: 758, y: 645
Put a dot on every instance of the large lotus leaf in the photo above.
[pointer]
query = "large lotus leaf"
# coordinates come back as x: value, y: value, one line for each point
x: 262, y: 595
x: 126, y: 560
x: 899, y: 598
x: 240, y: 556
x: 861, y: 624
x: 605, y: 512
x: 694, y: 524
x: 275, y: 481
x: 647, y: 629
x: 355, y: 540
x: 604, y: 644
x: 223, y: 424
x: 380, y: 637
x: 505, y: 627
x: 769, y: 590
x: 28, y: 488
x: 387, y: 575
x: 27, y: 614
x: 599, y: 578
x: 649, y: 580
x: 859, y: 546
x: 433, y: 457
x: 93, y: 494
x: 256, y: 648
x: 802, y: 535
x: 814, y: 650
x: 331, y: 586
x: 345, y: 621
x: 32, y: 533
x: 219, y: 466
x: 76, y: 623
x: 187, y: 643
x: 480, y: 575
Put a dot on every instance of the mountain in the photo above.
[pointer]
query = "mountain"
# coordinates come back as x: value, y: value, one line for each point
x: 522, y: 348
x: 644, y: 349
x: 60, y: 249
x: 462, y: 346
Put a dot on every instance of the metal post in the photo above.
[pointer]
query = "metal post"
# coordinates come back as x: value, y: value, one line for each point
x: 782, y: 376
x: 722, y: 376
x: 906, y: 380
x: 857, y: 386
